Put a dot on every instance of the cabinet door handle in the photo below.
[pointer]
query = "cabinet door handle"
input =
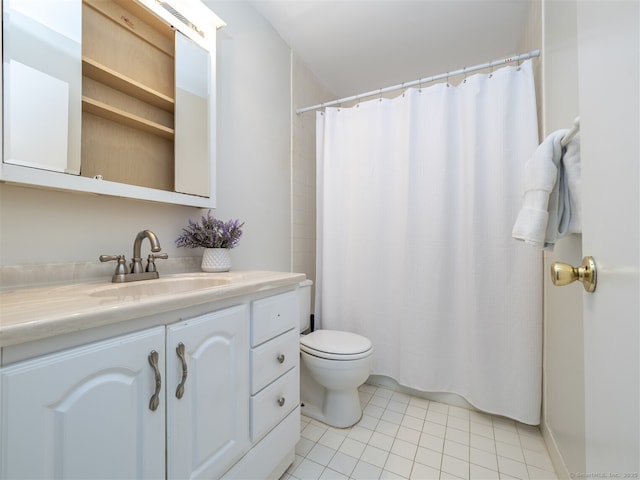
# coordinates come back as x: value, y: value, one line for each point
x: 281, y: 401
x: 155, y: 398
x: 281, y: 358
x: 180, y: 352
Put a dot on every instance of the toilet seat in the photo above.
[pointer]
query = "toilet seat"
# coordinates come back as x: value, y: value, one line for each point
x: 336, y: 345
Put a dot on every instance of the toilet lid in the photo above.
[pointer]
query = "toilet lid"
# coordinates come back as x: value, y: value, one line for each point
x: 335, y: 344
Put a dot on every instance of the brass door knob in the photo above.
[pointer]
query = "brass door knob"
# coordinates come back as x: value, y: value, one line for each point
x: 564, y: 274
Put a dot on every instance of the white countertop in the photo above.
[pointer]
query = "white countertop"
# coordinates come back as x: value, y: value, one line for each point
x: 28, y: 314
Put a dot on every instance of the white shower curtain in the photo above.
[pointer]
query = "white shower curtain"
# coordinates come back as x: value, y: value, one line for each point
x: 417, y: 197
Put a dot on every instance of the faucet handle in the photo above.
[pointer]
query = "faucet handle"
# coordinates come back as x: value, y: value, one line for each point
x: 121, y: 267
x: 151, y: 266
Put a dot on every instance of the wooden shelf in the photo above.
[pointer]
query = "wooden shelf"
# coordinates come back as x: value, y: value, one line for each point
x: 103, y: 110
x: 111, y: 78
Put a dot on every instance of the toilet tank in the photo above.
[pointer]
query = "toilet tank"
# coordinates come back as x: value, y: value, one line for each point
x: 304, y: 291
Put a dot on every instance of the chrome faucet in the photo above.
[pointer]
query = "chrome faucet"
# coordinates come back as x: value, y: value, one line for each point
x: 136, y: 271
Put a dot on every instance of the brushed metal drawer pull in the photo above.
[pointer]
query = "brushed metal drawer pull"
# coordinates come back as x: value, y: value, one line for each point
x: 281, y: 401
x: 180, y: 352
x: 155, y: 398
x: 281, y: 358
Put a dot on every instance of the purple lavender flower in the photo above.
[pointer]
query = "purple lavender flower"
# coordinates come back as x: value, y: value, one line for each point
x: 210, y: 233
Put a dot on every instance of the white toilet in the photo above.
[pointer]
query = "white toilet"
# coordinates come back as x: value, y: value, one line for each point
x: 333, y: 365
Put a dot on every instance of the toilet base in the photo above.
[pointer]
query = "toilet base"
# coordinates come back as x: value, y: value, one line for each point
x: 340, y: 409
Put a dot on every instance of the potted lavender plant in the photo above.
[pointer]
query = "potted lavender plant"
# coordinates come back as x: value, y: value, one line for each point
x: 216, y: 237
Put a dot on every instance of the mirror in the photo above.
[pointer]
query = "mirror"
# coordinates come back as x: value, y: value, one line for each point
x: 111, y: 96
x: 42, y: 84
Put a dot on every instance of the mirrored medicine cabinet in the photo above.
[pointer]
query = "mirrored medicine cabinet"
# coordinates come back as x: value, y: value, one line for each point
x: 113, y: 97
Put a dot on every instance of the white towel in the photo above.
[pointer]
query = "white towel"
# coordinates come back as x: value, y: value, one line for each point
x: 551, y: 201
x: 570, y: 188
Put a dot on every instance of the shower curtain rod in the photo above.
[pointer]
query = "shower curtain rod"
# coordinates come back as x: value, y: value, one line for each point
x: 380, y: 91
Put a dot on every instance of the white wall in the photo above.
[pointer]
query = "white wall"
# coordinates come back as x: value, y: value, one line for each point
x: 563, y: 404
x: 254, y: 165
x: 254, y: 136
x: 306, y: 92
x: 42, y: 226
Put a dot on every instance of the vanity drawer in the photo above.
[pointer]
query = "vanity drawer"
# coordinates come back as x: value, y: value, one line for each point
x: 272, y: 316
x: 273, y: 358
x: 273, y: 403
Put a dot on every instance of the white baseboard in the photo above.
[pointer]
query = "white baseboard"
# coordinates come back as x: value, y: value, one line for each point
x: 554, y: 452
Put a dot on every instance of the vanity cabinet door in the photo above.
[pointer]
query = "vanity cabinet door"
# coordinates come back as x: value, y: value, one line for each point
x: 208, y: 425
x: 85, y: 412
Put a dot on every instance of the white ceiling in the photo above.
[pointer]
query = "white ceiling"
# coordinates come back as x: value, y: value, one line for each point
x: 355, y: 46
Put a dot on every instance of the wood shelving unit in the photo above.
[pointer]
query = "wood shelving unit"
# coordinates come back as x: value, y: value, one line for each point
x: 124, y: 118
x: 128, y: 99
x: 110, y: 77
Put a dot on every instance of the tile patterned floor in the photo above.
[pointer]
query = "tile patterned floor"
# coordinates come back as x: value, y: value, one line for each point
x: 405, y: 437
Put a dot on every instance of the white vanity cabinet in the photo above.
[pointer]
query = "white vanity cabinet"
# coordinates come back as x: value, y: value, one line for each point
x: 208, y: 389
x: 85, y: 412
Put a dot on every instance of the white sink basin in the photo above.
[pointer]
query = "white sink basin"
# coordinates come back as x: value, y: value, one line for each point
x: 161, y: 286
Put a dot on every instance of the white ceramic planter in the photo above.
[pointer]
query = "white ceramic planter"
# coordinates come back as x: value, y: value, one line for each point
x: 216, y: 260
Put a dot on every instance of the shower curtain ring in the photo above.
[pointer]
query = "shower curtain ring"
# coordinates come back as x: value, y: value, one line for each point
x: 464, y: 72
x: 380, y: 95
x: 448, y: 80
